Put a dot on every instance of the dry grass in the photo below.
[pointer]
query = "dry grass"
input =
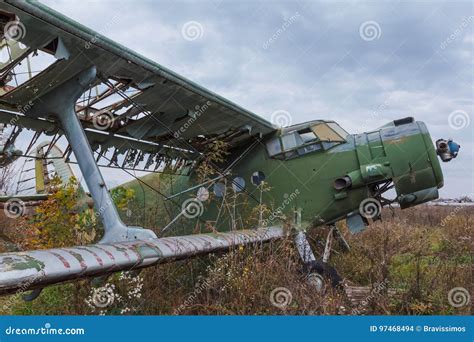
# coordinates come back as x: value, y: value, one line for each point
x: 418, y: 252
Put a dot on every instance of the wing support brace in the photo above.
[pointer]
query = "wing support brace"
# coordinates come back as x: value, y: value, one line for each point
x: 304, y: 248
x: 60, y: 103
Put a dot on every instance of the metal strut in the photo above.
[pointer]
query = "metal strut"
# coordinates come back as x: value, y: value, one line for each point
x: 60, y: 102
x: 304, y: 248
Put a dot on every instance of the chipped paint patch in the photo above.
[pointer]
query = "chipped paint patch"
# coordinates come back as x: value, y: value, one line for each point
x: 18, y: 269
x: 20, y: 262
x: 110, y: 255
x: 79, y: 258
x: 122, y: 250
x: 86, y: 249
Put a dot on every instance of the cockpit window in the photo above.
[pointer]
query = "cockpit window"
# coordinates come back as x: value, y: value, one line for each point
x: 307, y: 135
x: 326, y: 133
x: 274, y: 147
x: 338, y: 129
x: 313, y: 137
x: 291, y: 141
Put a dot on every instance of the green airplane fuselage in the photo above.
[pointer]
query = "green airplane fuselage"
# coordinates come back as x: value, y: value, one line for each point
x: 316, y: 174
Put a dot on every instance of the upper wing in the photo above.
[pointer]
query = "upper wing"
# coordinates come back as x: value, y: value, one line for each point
x: 138, y: 98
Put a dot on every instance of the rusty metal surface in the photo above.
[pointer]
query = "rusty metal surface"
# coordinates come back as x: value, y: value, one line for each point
x: 22, y: 271
x: 155, y: 84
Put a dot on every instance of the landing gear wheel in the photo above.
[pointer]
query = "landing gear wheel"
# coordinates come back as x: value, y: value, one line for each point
x: 316, y: 281
x: 319, y: 271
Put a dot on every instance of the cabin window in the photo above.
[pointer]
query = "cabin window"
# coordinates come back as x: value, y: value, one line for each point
x: 307, y: 135
x: 339, y: 130
x: 325, y: 133
x: 291, y: 141
x: 321, y: 136
x: 274, y: 147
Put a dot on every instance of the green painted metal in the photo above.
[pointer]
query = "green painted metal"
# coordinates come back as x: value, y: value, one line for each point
x: 404, y: 154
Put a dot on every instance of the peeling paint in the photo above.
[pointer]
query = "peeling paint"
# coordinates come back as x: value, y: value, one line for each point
x: 79, y: 258
x: 21, y: 262
x: 29, y: 265
x: 63, y: 260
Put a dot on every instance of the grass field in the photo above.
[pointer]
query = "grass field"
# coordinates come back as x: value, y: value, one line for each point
x: 409, y: 261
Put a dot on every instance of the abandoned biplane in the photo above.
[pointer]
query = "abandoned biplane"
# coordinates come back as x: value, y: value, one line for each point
x: 162, y: 122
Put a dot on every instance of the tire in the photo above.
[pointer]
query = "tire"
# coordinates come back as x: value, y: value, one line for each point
x: 325, y: 270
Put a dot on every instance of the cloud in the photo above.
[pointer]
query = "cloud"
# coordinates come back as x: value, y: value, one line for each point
x: 317, y: 67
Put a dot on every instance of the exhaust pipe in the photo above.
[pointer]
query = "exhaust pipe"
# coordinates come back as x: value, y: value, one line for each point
x: 342, y: 183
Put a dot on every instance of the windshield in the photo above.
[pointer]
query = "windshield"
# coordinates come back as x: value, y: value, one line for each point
x: 327, y: 132
x: 314, y: 137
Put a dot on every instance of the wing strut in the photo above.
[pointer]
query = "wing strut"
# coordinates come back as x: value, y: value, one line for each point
x: 60, y: 102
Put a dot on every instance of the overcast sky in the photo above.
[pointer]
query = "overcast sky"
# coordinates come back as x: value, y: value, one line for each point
x: 359, y: 63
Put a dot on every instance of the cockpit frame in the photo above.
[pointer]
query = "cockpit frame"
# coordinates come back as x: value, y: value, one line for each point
x: 298, y: 140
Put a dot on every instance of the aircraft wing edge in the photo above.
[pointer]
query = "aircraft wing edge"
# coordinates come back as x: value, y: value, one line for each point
x: 64, y: 23
x: 29, y: 270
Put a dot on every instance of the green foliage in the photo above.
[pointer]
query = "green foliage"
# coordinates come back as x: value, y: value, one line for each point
x: 56, y: 222
x: 122, y: 196
x: 64, y: 299
x: 214, y: 156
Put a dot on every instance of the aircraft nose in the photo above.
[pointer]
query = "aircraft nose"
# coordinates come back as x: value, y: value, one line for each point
x: 447, y: 149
